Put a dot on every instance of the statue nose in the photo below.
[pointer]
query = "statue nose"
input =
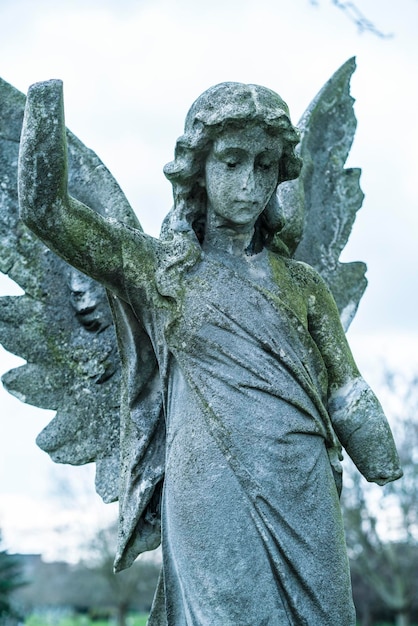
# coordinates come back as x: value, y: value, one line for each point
x: 248, y: 180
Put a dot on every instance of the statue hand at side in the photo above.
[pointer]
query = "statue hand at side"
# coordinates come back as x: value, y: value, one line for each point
x: 363, y: 430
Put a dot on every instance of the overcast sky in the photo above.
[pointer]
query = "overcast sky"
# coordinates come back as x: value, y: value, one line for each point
x: 131, y: 69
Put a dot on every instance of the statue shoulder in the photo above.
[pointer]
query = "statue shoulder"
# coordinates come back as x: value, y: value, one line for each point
x: 301, y: 274
x: 309, y: 278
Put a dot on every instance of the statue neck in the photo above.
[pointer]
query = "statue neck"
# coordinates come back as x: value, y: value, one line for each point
x: 227, y: 238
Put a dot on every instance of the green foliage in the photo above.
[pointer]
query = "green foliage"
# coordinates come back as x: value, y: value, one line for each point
x: 10, y: 579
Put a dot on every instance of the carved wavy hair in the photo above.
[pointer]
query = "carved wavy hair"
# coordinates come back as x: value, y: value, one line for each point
x: 225, y: 106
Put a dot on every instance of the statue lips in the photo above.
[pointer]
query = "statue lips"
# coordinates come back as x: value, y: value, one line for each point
x: 247, y: 208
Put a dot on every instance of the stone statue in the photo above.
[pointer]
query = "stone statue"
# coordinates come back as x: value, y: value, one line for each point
x: 238, y: 386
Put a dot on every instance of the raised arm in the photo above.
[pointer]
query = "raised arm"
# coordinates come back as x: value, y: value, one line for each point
x: 81, y: 236
x: 355, y: 412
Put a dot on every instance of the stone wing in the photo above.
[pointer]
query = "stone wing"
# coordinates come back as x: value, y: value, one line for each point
x: 321, y: 205
x: 62, y: 326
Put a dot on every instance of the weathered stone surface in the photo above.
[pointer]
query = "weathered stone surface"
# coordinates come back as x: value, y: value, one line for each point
x: 332, y: 194
x: 63, y: 325
x: 238, y: 386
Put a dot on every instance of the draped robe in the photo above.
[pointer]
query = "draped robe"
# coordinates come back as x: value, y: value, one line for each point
x: 250, y: 518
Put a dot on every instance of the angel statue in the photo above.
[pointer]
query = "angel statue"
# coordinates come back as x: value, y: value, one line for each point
x: 216, y: 402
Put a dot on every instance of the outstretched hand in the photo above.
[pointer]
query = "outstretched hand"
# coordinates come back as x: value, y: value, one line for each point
x: 43, y: 152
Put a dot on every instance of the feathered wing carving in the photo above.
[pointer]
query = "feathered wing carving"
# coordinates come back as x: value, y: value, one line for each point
x: 63, y: 324
x: 321, y: 205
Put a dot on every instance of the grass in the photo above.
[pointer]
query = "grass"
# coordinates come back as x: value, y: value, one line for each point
x: 132, y: 620
x: 38, y: 620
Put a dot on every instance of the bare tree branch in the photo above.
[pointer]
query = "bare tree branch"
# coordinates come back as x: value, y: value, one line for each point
x: 357, y: 17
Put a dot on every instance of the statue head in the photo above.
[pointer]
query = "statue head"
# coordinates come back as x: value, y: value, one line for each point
x: 222, y: 107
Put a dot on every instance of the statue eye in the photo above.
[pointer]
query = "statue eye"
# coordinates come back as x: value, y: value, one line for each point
x: 231, y: 164
x: 264, y: 166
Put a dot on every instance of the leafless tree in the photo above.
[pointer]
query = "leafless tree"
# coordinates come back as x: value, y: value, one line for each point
x: 382, y: 525
x: 128, y: 589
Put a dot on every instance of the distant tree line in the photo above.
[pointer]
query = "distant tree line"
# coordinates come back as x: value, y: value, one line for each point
x: 11, y: 579
x: 91, y: 590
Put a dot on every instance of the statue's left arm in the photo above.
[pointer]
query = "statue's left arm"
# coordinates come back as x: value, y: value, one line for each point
x: 356, y: 414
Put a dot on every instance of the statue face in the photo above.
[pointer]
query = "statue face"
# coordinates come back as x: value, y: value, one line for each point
x: 241, y: 176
